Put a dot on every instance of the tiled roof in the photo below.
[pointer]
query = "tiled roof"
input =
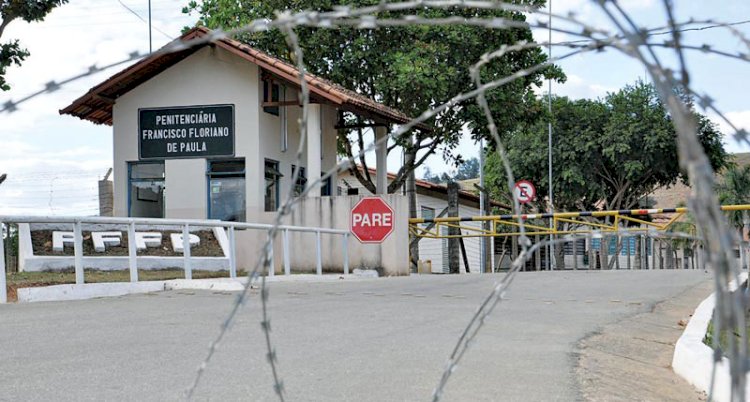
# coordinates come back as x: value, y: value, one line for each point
x: 96, y: 104
x: 443, y: 189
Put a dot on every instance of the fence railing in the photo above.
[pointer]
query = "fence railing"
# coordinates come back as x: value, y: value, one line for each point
x: 185, y: 225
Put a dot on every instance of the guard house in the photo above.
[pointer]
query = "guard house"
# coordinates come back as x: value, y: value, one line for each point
x: 212, y: 132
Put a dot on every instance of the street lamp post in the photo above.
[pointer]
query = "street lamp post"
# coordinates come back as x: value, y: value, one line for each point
x: 150, y: 46
x: 551, y: 256
x: 482, y: 240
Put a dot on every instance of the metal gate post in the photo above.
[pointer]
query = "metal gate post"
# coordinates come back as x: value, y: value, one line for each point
x: 78, y: 252
x: 3, y: 283
x: 132, y: 253
x: 186, y: 251
x: 232, y: 253
x: 269, y: 250
x: 627, y: 248
x: 287, y: 265
x: 538, y: 255
x: 346, y: 253
x: 319, y: 269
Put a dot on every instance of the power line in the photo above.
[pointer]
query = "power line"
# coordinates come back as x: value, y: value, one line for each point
x: 142, y: 19
x: 668, y: 32
x: 118, y: 12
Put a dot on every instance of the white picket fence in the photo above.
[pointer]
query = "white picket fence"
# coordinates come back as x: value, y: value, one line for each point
x: 185, y: 224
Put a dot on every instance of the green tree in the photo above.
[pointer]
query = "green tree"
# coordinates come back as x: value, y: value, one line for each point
x: 431, y: 177
x: 527, y: 149
x: 608, y: 153
x: 469, y: 169
x: 28, y: 10
x: 410, y: 68
x: 735, y: 189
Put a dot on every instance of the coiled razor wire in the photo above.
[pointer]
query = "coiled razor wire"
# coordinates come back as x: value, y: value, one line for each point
x: 629, y: 39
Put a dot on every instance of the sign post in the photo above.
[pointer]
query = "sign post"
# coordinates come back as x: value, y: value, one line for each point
x: 371, y: 220
x: 524, y: 191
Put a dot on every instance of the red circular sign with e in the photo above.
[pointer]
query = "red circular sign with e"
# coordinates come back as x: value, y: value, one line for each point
x: 525, y: 191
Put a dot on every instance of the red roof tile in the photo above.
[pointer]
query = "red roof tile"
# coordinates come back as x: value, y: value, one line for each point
x: 96, y: 104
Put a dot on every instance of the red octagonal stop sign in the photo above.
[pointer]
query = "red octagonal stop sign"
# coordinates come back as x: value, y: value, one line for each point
x: 371, y: 220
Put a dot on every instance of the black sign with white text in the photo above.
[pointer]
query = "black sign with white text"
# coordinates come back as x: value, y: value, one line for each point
x: 186, y: 132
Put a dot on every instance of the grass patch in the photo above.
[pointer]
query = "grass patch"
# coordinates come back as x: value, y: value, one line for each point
x: 725, y: 336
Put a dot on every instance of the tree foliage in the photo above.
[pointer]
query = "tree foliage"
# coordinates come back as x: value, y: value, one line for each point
x: 410, y: 68
x: 734, y: 189
x: 11, y: 53
x: 607, y: 153
x: 469, y: 169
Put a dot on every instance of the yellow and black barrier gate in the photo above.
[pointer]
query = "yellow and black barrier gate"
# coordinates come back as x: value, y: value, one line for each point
x: 624, y: 223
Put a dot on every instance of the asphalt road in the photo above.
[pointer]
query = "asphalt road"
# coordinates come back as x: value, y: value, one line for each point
x: 369, y: 340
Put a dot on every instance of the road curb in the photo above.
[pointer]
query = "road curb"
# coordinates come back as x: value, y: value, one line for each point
x: 86, y: 291
x: 114, y: 289
x: 693, y: 360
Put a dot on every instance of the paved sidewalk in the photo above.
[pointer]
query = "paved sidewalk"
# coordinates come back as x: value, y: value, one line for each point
x: 630, y: 360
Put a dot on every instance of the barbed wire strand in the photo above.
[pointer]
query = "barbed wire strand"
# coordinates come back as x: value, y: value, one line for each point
x: 702, y: 201
x: 451, y: 368
x: 691, y: 157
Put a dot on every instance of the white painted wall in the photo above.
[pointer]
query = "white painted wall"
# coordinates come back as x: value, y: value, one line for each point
x: 270, y: 146
x: 185, y: 176
x: 432, y: 249
x: 210, y: 76
x: 390, y: 258
x: 215, y: 76
x: 29, y: 262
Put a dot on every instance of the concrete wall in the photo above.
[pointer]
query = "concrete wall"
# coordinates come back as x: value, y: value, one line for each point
x: 214, y: 76
x: 389, y: 258
x: 270, y: 144
x: 432, y: 249
x: 210, y: 76
x: 29, y: 262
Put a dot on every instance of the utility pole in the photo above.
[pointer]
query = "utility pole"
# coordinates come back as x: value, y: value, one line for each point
x: 454, y: 245
x: 551, y: 256
x: 482, y: 240
x: 150, y: 46
x: 411, y: 196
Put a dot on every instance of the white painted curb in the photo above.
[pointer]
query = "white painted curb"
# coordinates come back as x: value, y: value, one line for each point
x: 222, y: 285
x: 86, y: 291
x: 113, y: 289
x: 693, y: 360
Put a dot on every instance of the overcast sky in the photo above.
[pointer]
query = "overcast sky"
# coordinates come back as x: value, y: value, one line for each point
x: 53, y: 161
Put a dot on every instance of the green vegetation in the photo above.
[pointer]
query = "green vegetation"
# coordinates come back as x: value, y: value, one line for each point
x: 724, y: 336
x: 735, y: 189
x: 29, y: 11
x: 608, y: 153
x: 410, y: 68
x: 467, y: 170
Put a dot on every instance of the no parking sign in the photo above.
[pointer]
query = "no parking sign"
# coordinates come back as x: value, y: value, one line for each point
x: 525, y: 191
